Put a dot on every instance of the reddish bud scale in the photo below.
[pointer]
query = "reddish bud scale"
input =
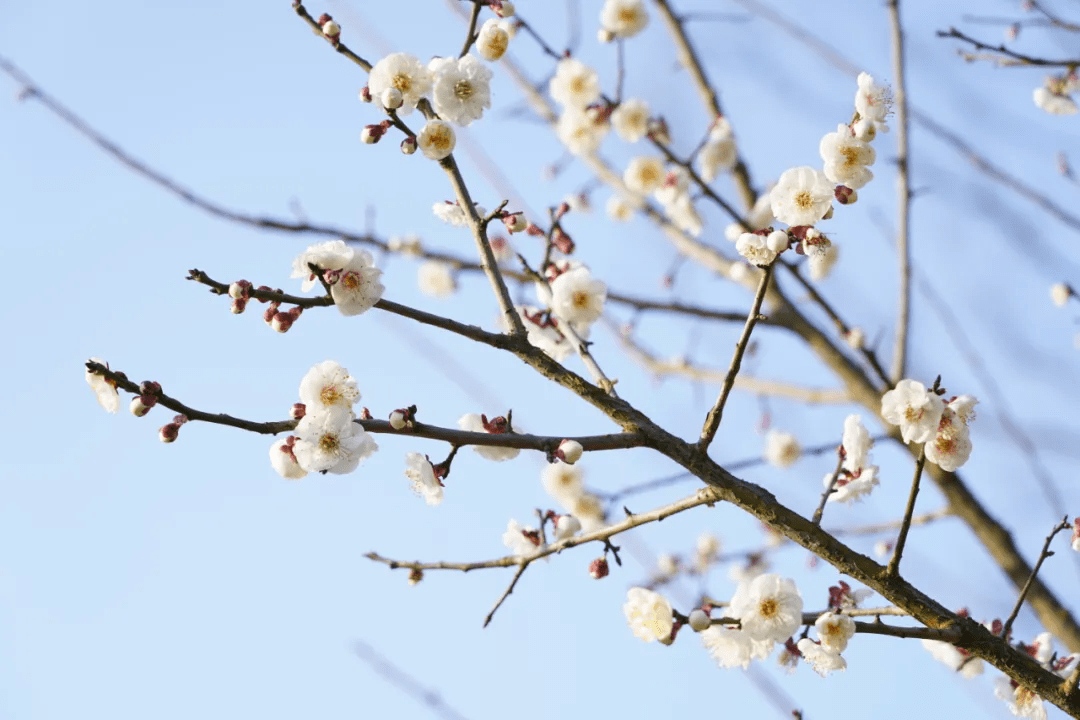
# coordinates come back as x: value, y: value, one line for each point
x: 598, y: 568
x: 562, y: 242
x: 168, y: 433
x: 298, y: 411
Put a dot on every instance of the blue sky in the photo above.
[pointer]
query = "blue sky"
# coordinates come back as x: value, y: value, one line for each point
x: 139, y: 579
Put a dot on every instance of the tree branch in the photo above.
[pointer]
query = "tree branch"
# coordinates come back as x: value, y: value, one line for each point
x: 903, y: 196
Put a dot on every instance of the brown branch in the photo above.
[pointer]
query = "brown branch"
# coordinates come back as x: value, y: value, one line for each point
x: 903, y: 196
x: 470, y: 34
x: 1006, y: 629
x: 894, y: 563
x: 404, y: 682
x: 1015, y: 58
x: 509, y: 589
x: 879, y: 528
x: 716, y: 414
x: 816, y: 519
x: 338, y: 46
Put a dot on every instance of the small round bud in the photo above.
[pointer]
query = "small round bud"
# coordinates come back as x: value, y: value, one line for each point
x: 415, y: 576
x: 238, y: 306
x: 168, y: 433
x: 598, y: 568
x: 298, y: 411
x: 331, y: 29
x: 515, y: 222
x: 503, y: 8
x: 566, y: 526
x: 397, y: 420
x: 699, y: 620
x: 1060, y: 294
x: 604, y: 36
x: 392, y: 98
x: 569, y: 451
x: 855, y: 338
x: 371, y: 134
x: 365, y: 94
x: 240, y: 289
x: 408, y: 145
x: 777, y: 241
x: 562, y: 242
x: 139, y: 405
x: 845, y: 195
x: 282, y: 321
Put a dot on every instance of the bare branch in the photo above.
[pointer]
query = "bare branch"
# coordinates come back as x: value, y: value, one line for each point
x: 816, y: 519
x: 1006, y: 629
x: 404, y: 682
x: 894, y: 563
x: 1008, y: 58
x: 903, y: 195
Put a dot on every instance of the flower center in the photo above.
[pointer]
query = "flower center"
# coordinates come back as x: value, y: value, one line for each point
x: 804, y: 200
x: 330, y: 395
x: 329, y: 443
x: 581, y: 300
x: 351, y: 280
x: 768, y: 608
x: 402, y: 82
x: 851, y: 156
x: 463, y: 89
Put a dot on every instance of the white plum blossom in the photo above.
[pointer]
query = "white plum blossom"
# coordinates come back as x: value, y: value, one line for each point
x: 802, y: 196
x: 873, y: 102
x: 521, y: 541
x: 421, y: 474
x: 846, y: 158
x: 834, y: 631
x: 781, y: 449
x: 580, y: 131
x: 405, y: 73
x: 563, y: 483
x: 706, y: 550
x: 619, y: 209
x: 1020, y: 701
x: 718, y: 154
x: 649, y: 615
x: 769, y: 608
x: 357, y: 287
x: 856, y: 442
x: 630, y: 119
x: 667, y: 565
x: 1053, y: 100
x: 755, y: 249
x: 404, y: 244
x: 543, y: 332
x: 590, y: 511
x: 328, y: 385
x: 577, y: 297
x: 330, y: 255
x: 471, y: 422
x: 915, y: 409
x: 330, y: 441
x: 567, y: 526
x: 1060, y: 294
x: 759, y: 218
x: 104, y: 391
x: 284, y: 461
x: 436, y: 140
x: 436, y: 279
x: 954, y: 658
x: 821, y: 256
x: 644, y: 174
x: 951, y: 445
x: 492, y: 40
x: 453, y: 214
x: 575, y: 84
x: 853, y: 486
x: 731, y: 647
x: 461, y: 89
x: 623, y: 18
x: 822, y: 659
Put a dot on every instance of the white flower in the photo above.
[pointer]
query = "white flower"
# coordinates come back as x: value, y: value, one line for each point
x: 667, y: 565
x: 436, y: 279
x: 328, y: 385
x: 619, y: 209
x: 873, y: 102
x: 717, y: 156
x: 331, y: 442
x: 1060, y: 294
x: 954, y: 658
x: 406, y: 244
x: 731, y: 647
x: 821, y: 658
x: 462, y: 89
x: 821, y: 256
x: 706, y: 550
x: 644, y: 174
x: 685, y: 216
x: 760, y: 217
x: 834, y: 631
x: 521, y: 541
x: 769, y: 608
x: 471, y: 422
x: 404, y: 72
x: 951, y: 444
x: 755, y: 249
x: 781, y: 448
x: 802, y: 196
x: 1055, y: 103
x: 563, y: 483
x: 1020, y: 701
x: 853, y: 485
x: 358, y: 288
x: 590, y: 511
x: 857, y: 443
x: 284, y: 461
x: 330, y: 255
x: 492, y: 40
x: 422, y: 475
x: 846, y: 158
x: 580, y: 131
x: 577, y: 297
x: 623, y: 18
x: 105, y: 392
x: 575, y: 84
x: 567, y: 526
x: 916, y: 410
x: 543, y: 332
x: 631, y: 119
x: 649, y: 614
x: 436, y: 140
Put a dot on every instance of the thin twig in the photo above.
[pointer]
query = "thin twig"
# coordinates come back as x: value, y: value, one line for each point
x: 1046, y: 552
x: 903, y: 196
x: 893, y: 568
x: 470, y: 34
x: 879, y: 528
x: 338, y: 46
x: 828, y: 489
x: 1015, y: 58
x: 509, y: 589
x: 404, y: 682
x: 716, y: 414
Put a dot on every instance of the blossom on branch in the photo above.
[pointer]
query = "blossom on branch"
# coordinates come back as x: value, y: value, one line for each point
x: 461, y: 89
x: 405, y: 73
x: 104, y: 390
x: 425, y: 482
x: 649, y: 615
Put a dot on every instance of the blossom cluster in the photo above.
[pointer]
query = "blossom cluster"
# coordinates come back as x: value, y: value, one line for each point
x: 572, y: 297
x: 350, y: 273
x: 1055, y: 96
x: 327, y: 437
x: 924, y: 417
x: 857, y: 477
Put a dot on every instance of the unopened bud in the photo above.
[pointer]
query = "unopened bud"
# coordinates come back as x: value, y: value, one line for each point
x: 562, y: 242
x: 777, y: 241
x: 330, y: 28
x: 603, y: 36
x: 240, y: 289
x: 699, y: 620
x: 566, y: 526
x: 372, y: 134
x: 408, y: 145
x: 397, y: 420
x: 298, y: 411
x: 598, y: 568
x: 168, y: 433
x: 845, y: 195
x: 365, y: 94
x: 392, y: 98
x: 503, y: 8
x: 658, y: 130
x: 569, y: 451
x: 515, y: 222
x: 415, y: 576
x: 281, y: 322
x: 238, y: 306
x: 141, y: 404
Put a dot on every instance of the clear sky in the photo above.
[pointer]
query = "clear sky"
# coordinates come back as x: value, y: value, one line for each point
x: 144, y: 580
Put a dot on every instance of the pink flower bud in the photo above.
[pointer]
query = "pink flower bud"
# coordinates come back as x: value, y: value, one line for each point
x: 238, y: 306
x: 371, y: 134
x: 139, y: 405
x: 168, y: 433
x: 562, y: 241
x: 298, y: 411
x: 239, y: 289
x: 415, y: 576
x: 845, y: 195
x: 281, y: 322
x: 657, y: 130
x: 365, y: 94
x: 515, y: 222
x: 263, y: 289
x: 408, y: 145
x: 503, y: 8
x: 569, y: 451
x: 598, y: 568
